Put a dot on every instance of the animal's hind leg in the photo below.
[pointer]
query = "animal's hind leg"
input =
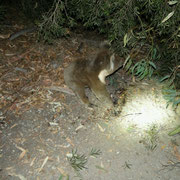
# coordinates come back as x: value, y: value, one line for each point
x: 79, y: 89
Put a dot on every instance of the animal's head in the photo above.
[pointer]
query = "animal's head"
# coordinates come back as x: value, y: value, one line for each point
x: 109, y: 63
x: 107, y: 59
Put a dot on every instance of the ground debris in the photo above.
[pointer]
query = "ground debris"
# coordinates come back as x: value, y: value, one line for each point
x: 171, y: 165
x: 43, y: 164
x: 23, y: 152
x: 45, y: 121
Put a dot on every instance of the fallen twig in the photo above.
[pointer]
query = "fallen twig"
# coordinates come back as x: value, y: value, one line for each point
x: 43, y: 164
x: 171, y: 165
x: 61, y: 89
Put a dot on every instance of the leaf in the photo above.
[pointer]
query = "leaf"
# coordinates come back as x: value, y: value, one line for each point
x: 172, y: 91
x: 152, y: 64
x: 172, y: 2
x: 172, y: 95
x: 167, y: 17
x: 128, y: 65
x: 177, y: 102
x: 150, y: 72
x: 136, y: 65
x: 139, y: 70
x: 95, y: 152
x: 126, y: 60
x: 175, y: 131
x: 125, y: 40
x: 61, y: 177
x: 154, y: 53
x: 165, y: 77
x: 101, y: 168
x: 144, y: 74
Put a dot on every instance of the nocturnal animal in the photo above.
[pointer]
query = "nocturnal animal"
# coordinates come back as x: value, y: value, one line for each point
x: 91, y: 73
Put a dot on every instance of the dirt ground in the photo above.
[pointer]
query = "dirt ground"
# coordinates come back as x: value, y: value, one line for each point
x: 46, y: 133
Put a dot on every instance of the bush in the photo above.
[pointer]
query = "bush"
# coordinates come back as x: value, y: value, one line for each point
x: 145, y: 32
x: 142, y: 29
x: 55, y: 23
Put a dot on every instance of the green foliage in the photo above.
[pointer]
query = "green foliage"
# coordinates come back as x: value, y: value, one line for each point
x: 172, y: 96
x: 150, y: 139
x: 62, y: 177
x: 170, y: 92
x: 77, y: 161
x: 141, y: 69
x: 111, y: 17
x: 146, y: 32
x: 95, y: 152
x: 54, y: 22
x: 175, y: 131
x: 173, y: 77
x: 157, y: 35
x: 142, y: 30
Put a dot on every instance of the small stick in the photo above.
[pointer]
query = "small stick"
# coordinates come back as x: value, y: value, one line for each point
x: 61, y: 89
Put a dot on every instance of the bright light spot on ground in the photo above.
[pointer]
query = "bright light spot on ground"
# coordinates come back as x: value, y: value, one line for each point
x: 146, y: 107
x: 147, y: 114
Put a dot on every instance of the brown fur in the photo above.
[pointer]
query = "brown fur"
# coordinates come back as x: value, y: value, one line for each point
x: 84, y: 73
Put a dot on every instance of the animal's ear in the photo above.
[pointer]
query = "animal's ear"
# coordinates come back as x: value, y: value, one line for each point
x: 112, y: 59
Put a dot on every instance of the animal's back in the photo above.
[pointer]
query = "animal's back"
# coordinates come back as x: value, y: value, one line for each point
x: 76, y: 72
x: 69, y: 74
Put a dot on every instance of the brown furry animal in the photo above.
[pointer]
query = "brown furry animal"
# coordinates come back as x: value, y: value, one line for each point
x: 92, y: 73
